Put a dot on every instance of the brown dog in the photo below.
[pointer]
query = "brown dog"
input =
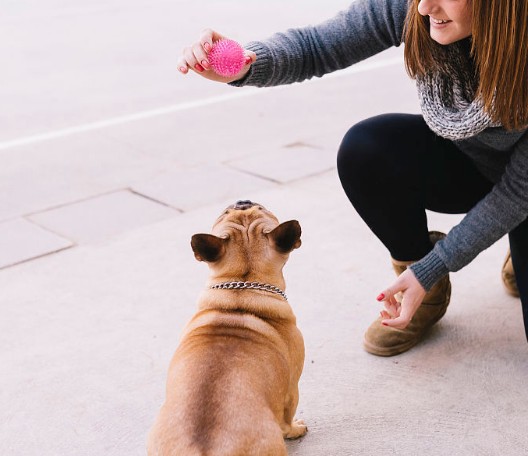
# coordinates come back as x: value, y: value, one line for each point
x: 232, y: 383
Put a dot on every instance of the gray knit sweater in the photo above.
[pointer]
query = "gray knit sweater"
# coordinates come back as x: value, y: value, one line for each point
x: 366, y: 28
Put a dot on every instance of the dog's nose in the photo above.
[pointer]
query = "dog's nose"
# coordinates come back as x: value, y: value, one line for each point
x: 243, y: 205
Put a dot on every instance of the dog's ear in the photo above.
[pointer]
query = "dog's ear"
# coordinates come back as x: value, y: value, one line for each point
x: 287, y: 236
x: 207, y: 247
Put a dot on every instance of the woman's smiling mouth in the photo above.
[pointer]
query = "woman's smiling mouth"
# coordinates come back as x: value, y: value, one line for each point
x: 439, y: 21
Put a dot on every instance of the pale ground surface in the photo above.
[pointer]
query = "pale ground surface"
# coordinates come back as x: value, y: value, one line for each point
x: 86, y: 334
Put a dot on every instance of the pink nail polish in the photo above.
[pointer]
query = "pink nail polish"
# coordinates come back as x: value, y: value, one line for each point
x: 384, y: 324
x: 198, y: 67
x: 248, y: 60
x: 183, y: 69
x: 205, y: 64
x: 207, y: 47
x: 381, y: 297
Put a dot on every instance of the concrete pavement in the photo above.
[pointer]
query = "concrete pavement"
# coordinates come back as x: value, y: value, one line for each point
x: 98, y: 278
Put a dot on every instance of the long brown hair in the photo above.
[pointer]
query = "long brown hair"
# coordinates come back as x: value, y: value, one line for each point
x: 499, y: 47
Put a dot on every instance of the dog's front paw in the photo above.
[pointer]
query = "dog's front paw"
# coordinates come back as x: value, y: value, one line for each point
x: 298, y: 429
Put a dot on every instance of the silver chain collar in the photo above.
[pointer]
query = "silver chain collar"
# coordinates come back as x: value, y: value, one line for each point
x: 249, y: 285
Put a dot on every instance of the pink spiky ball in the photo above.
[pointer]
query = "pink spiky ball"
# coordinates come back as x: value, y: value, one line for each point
x: 227, y: 58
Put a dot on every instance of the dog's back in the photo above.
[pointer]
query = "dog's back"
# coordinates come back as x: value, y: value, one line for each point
x: 225, y: 404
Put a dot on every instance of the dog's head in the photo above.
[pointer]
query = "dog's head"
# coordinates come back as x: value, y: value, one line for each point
x: 247, y: 243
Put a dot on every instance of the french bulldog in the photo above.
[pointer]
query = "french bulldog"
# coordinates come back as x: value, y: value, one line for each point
x: 232, y: 386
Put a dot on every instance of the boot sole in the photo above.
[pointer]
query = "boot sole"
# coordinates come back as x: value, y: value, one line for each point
x: 389, y: 351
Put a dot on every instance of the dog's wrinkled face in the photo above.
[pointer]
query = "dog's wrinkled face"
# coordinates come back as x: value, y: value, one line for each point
x: 247, y: 239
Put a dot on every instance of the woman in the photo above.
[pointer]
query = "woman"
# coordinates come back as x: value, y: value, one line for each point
x: 466, y: 153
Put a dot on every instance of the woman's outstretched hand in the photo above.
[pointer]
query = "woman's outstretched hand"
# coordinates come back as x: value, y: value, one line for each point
x: 194, y: 58
x: 399, y: 314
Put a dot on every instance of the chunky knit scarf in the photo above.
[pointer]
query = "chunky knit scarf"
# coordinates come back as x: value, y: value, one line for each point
x: 447, y: 97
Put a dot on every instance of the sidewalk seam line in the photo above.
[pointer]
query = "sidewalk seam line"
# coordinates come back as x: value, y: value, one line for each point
x: 119, y: 120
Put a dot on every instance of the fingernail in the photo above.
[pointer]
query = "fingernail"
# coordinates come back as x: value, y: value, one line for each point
x: 207, y: 47
x: 384, y: 324
x: 183, y: 69
x: 248, y: 60
x: 198, y: 67
x: 205, y: 64
x: 381, y: 297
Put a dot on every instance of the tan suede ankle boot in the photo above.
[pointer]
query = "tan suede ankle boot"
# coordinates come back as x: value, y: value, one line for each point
x: 508, y: 277
x: 386, y: 341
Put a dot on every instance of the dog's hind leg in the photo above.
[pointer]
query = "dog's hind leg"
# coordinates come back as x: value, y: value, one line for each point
x: 292, y: 428
x: 297, y: 429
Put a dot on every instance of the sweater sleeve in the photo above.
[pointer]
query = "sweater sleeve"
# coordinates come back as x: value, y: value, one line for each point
x: 366, y: 28
x: 498, y: 213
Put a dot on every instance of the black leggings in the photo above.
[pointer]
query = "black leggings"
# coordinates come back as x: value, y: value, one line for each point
x: 393, y: 167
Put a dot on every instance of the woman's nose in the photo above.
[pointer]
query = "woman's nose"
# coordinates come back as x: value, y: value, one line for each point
x: 425, y: 7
